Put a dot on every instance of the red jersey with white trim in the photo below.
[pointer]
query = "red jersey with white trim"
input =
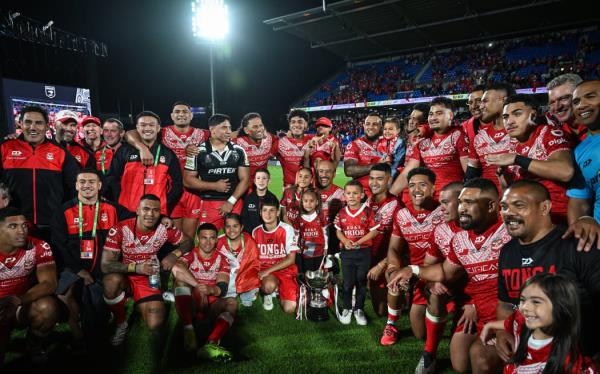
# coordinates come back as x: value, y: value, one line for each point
x: 312, y: 235
x: 290, y: 152
x: 386, y: 146
x: 543, y: 142
x: 17, y: 270
x: 416, y: 228
x: 384, y: 215
x: 489, y: 141
x: 177, y: 141
x: 275, y: 245
x: 442, y: 154
x: 478, y: 255
x: 332, y: 200
x: 258, y: 153
x: 441, y: 239
x: 205, y: 270
x: 355, y: 224
x: 537, y: 356
x: 138, y: 246
x: 291, y: 202
x: 365, y: 153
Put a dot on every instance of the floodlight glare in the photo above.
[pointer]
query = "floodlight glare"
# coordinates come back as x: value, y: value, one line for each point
x: 210, y: 19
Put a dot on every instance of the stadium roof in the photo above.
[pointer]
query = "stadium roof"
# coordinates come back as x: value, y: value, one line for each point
x: 365, y: 29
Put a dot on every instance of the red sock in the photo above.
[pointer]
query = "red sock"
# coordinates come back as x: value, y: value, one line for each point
x: 222, y: 324
x: 435, y: 328
x: 117, y: 307
x: 183, y: 305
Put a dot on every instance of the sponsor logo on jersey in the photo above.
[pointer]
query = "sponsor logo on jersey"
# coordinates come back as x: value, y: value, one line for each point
x: 49, y: 156
x: 526, y: 261
x: 16, y: 153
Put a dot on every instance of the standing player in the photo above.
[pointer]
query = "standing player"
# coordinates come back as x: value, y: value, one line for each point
x: 491, y: 138
x: 384, y: 206
x: 362, y: 153
x: 474, y: 252
x: 291, y: 149
x: 257, y: 142
x: 218, y: 175
x: 277, y: 249
x: 542, y: 152
x: 411, y: 234
x: 205, y: 269
x: 130, y: 179
x: 66, y: 129
x: 127, y: 262
x: 445, y: 152
x: 471, y: 126
x: 27, y: 284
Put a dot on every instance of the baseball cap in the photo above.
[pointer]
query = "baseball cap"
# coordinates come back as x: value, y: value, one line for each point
x: 324, y: 121
x: 66, y: 114
x: 88, y: 119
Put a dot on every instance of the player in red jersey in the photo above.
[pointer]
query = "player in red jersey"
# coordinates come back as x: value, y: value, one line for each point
x: 127, y: 262
x: 445, y: 152
x: 27, y: 284
x: 258, y: 143
x: 290, y: 201
x: 355, y: 228
x: 471, y: 126
x: 412, y: 229
x: 542, y: 152
x: 362, y: 153
x: 491, y: 138
x: 292, y: 147
x: 277, y: 249
x: 384, y: 206
x: 206, y: 270
x: 474, y: 252
x: 439, y: 294
x: 323, y: 146
x: 560, y: 106
x: 332, y: 195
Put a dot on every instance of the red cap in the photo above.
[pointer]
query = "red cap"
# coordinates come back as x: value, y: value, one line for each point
x: 321, y: 155
x: 88, y: 119
x: 324, y: 121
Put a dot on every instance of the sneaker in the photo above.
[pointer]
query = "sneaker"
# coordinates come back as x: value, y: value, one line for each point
x: 189, y: 339
x: 360, y: 317
x: 120, y: 333
x: 268, y: 302
x: 426, y: 364
x: 346, y: 317
x: 214, y: 353
x: 390, y: 335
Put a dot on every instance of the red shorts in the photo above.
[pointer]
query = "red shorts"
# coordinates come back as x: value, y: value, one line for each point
x: 140, y: 289
x: 209, y: 212
x: 188, y: 206
x: 202, y: 305
x: 486, y: 312
x: 419, y: 293
x: 288, y: 286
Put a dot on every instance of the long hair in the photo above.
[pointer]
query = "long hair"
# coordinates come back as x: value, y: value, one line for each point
x: 294, y: 188
x: 565, y: 323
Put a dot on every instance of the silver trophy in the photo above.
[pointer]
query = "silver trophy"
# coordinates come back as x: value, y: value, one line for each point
x: 317, y: 282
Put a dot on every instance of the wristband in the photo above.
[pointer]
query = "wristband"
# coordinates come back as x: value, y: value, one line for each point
x: 232, y: 200
x: 523, y: 161
x: 415, y: 270
x: 131, y: 268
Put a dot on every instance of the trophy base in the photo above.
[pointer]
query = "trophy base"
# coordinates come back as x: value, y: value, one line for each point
x: 317, y: 314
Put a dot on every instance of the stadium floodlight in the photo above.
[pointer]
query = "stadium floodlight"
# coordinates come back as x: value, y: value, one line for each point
x: 210, y: 21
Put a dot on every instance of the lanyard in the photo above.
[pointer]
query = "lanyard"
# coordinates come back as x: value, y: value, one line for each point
x: 102, y: 158
x: 231, y: 248
x: 156, y: 157
x: 81, y: 220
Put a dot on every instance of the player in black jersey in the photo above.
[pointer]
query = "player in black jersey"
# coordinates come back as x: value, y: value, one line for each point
x: 537, y: 246
x: 219, y: 174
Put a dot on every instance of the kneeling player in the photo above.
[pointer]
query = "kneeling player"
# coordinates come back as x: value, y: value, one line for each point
x: 128, y: 263
x: 25, y: 261
x: 205, y: 269
x: 277, y: 248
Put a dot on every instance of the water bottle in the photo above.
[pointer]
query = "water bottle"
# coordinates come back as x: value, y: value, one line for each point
x: 154, y: 279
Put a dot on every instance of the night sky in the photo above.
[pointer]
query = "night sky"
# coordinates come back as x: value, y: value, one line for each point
x: 154, y: 60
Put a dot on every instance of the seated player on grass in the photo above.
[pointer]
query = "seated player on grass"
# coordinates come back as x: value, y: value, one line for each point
x: 277, y: 248
x: 206, y: 269
x: 127, y: 262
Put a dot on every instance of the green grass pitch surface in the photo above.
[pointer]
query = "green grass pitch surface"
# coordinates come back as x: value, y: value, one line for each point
x: 261, y: 342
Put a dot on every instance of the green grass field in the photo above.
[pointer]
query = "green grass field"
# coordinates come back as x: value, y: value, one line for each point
x: 261, y: 342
